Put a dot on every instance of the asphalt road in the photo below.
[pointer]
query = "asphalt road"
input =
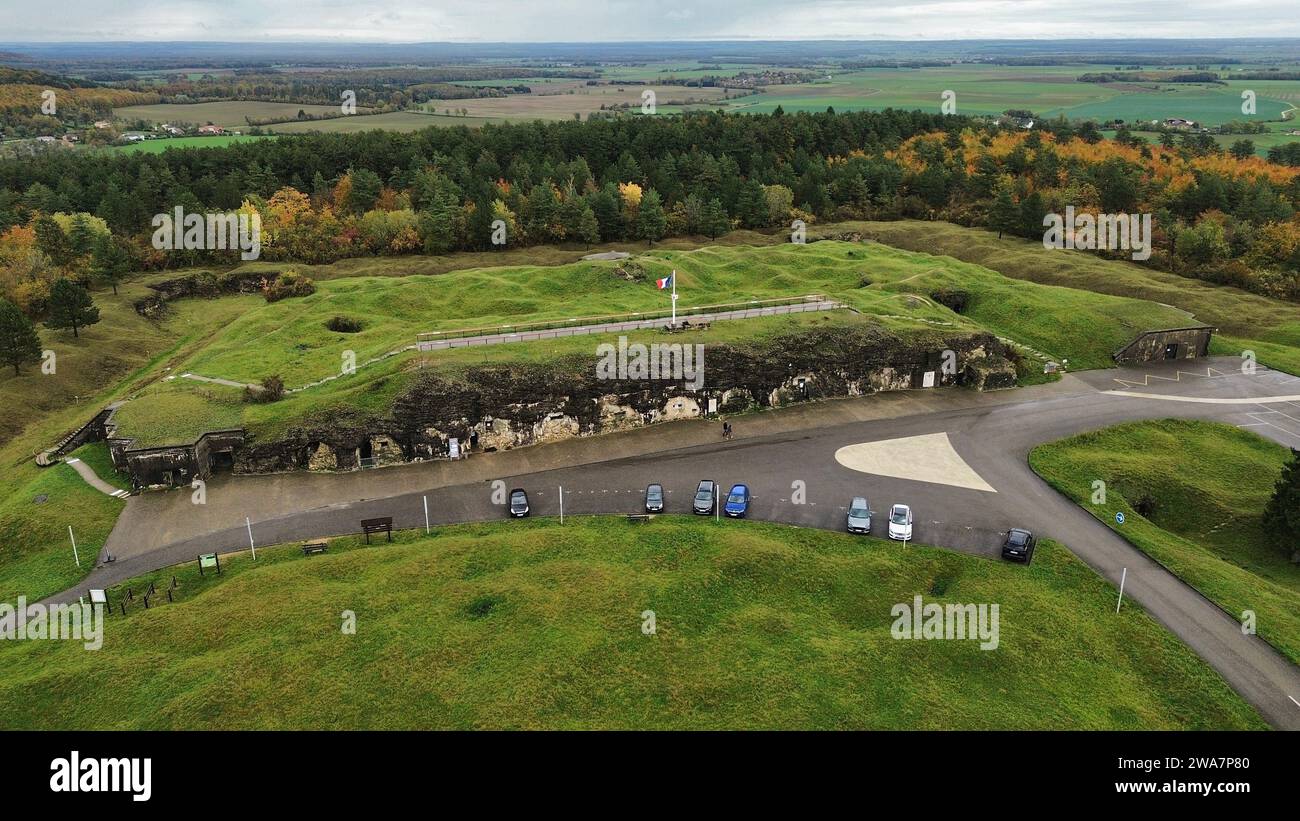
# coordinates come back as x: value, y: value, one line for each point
x: 992, y: 436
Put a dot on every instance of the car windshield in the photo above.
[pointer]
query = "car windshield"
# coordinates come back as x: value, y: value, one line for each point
x: 518, y: 499
x: 898, y: 516
x: 736, y: 498
x: 703, y: 496
x: 859, y: 512
x: 655, y: 493
x: 1017, y: 539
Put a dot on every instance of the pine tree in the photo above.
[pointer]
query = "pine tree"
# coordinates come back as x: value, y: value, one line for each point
x: 588, y: 228
x: 715, y: 222
x: 1282, y: 513
x: 19, y: 343
x: 70, y: 307
x: 651, y: 221
x: 1004, y: 214
x: 110, y: 262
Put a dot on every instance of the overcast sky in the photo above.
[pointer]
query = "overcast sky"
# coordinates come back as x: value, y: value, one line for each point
x: 406, y: 21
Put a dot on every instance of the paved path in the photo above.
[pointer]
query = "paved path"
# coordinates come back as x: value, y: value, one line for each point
x: 627, y: 325
x: 990, y: 433
x: 94, y: 481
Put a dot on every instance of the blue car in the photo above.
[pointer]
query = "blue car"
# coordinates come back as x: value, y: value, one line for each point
x: 737, y: 501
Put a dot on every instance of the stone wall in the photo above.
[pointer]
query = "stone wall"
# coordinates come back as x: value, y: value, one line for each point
x: 1156, y: 346
x: 509, y: 406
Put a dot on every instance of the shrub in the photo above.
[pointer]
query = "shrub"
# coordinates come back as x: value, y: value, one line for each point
x: 289, y: 284
x: 272, y: 391
x: 343, y: 324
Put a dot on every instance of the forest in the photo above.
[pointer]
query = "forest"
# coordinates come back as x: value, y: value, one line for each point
x: 1218, y: 216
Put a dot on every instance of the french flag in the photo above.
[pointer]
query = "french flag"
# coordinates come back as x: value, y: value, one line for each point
x: 666, y: 282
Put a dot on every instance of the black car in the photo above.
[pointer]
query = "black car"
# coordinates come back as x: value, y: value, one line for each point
x: 1019, y: 546
x: 654, y: 499
x: 518, y: 503
x: 705, y: 497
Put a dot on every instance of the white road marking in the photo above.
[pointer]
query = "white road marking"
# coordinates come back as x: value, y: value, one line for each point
x: 1209, y: 400
x: 926, y: 458
x: 1293, y: 701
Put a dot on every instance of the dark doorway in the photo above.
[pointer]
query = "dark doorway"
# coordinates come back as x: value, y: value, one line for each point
x: 222, y: 460
x: 1171, y: 350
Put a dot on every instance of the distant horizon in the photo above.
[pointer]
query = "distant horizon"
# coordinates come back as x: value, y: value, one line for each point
x: 414, y: 22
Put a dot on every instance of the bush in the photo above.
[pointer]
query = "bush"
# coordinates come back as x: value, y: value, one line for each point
x: 343, y: 324
x: 290, y: 284
x: 272, y: 391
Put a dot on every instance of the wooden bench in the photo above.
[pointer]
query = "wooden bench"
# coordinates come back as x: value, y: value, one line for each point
x: 312, y: 548
x: 381, y: 525
x: 638, y: 518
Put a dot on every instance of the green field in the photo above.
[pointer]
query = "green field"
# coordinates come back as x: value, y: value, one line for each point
x: 159, y: 146
x: 886, y: 285
x: 537, y: 625
x: 1207, y: 484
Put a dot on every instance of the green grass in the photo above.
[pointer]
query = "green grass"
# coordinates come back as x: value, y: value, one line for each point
x: 35, y: 554
x: 537, y: 625
x: 1245, y: 321
x: 1209, y: 483
x: 159, y: 146
x: 886, y: 285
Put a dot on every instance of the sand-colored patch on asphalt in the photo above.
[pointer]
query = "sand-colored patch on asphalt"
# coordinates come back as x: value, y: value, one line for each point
x: 927, y: 458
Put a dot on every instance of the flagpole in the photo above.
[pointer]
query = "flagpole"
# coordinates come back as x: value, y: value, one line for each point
x: 674, y: 275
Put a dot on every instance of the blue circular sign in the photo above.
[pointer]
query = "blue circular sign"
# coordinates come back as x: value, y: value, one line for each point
x: 1119, y: 518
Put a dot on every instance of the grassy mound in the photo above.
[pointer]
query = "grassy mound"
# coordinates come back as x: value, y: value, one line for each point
x: 537, y: 625
x: 1203, y: 486
x: 1245, y: 321
x: 885, y: 285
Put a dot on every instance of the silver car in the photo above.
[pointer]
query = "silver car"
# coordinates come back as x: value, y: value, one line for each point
x: 859, y: 518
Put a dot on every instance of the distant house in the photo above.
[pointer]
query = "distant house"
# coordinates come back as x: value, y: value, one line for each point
x: 211, y: 129
x: 47, y: 140
x: 175, y: 131
x: 71, y: 138
x: 103, y: 124
x: 1180, y: 123
x: 135, y: 138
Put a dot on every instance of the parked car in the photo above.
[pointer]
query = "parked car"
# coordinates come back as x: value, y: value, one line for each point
x: 859, y: 518
x: 654, y: 499
x: 518, y: 503
x: 1019, y: 546
x: 705, y: 497
x: 737, y: 502
x: 900, y: 522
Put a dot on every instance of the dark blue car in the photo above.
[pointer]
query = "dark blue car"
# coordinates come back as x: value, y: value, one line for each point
x: 737, y: 501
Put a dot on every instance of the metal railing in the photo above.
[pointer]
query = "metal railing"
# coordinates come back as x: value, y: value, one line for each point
x: 638, y: 316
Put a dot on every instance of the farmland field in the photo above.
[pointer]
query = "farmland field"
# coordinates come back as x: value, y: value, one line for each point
x: 224, y: 114
x: 157, y: 146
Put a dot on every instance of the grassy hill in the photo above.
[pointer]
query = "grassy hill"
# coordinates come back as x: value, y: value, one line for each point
x: 1203, y: 486
x: 885, y: 285
x: 537, y: 625
x: 1246, y: 321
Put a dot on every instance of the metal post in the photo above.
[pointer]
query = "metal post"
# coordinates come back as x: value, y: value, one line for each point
x: 561, y: 504
x: 75, y: 557
x: 1122, y: 578
x: 251, y: 546
x: 426, y: 515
